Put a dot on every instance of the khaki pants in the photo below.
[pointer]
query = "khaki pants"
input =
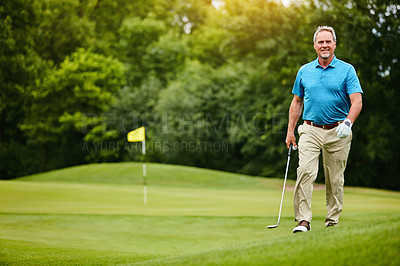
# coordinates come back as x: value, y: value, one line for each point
x: 335, y: 151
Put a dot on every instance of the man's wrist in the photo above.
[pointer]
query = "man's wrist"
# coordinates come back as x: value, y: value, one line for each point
x: 291, y: 128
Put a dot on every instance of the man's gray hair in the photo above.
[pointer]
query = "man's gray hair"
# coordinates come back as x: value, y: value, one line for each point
x: 325, y: 28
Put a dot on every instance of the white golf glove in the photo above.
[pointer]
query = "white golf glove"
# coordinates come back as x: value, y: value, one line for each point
x: 344, y: 129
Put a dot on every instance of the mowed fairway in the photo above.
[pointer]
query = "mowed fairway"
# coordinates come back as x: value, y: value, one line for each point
x: 94, y: 214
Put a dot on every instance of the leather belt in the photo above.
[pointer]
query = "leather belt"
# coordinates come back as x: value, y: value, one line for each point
x: 330, y: 126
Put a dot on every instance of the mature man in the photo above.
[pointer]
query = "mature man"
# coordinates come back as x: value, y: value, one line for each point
x: 330, y: 91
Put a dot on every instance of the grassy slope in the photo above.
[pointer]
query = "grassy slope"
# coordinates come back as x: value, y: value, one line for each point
x: 159, y: 174
x: 360, y: 243
x: 95, y: 215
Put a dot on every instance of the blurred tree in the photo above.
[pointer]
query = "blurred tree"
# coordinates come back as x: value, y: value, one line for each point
x: 83, y: 87
x: 135, y: 36
x: 63, y: 27
x: 188, y: 15
x: 109, y: 15
x: 20, y: 65
x: 190, y: 72
x: 165, y: 57
x: 195, y: 110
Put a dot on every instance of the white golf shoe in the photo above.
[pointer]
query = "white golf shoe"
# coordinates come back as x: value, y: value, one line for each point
x: 303, y: 226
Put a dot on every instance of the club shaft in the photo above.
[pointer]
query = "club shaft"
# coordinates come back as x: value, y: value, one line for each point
x: 284, y: 185
x: 283, y: 189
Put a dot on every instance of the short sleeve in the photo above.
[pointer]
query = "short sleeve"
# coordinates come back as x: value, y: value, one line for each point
x: 353, y: 83
x: 298, y: 89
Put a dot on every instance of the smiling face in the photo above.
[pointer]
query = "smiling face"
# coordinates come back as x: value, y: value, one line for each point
x: 324, y: 45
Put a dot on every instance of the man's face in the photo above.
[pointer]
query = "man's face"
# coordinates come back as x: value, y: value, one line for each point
x: 324, y: 44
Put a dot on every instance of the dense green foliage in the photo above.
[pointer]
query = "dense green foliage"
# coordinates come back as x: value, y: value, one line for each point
x: 212, y: 86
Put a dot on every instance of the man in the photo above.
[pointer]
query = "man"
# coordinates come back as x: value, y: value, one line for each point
x: 330, y: 92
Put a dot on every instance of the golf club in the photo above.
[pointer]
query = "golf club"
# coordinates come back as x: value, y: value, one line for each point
x: 283, y: 190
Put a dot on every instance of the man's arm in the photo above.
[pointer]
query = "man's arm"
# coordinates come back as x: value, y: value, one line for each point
x: 344, y: 129
x: 356, y: 106
x: 294, y: 114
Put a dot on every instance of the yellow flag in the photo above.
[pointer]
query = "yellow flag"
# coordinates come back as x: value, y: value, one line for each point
x: 136, y: 135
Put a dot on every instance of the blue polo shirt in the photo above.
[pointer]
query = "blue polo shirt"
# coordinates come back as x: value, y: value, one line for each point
x: 326, y: 90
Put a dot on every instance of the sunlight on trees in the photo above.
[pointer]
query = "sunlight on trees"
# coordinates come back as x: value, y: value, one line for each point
x: 77, y: 74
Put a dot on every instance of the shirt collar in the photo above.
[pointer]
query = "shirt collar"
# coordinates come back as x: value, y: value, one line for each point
x: 332, y: 64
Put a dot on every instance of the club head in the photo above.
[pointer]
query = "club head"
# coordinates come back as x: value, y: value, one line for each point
x: 272, y: 226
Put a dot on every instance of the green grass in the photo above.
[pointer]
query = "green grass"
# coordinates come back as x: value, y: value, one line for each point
x: 94, y: 215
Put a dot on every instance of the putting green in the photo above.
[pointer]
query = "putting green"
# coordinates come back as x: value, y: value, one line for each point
x: 94, y: 214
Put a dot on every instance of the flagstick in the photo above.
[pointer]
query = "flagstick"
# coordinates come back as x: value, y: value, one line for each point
x: 144, y: 174
x: 136, y: 136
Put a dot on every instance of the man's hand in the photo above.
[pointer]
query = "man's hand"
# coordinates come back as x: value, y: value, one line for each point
x: 291, y: 139
x: 344, y: 129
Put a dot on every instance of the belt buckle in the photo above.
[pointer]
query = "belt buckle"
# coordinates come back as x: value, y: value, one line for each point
x: 323, y: 126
